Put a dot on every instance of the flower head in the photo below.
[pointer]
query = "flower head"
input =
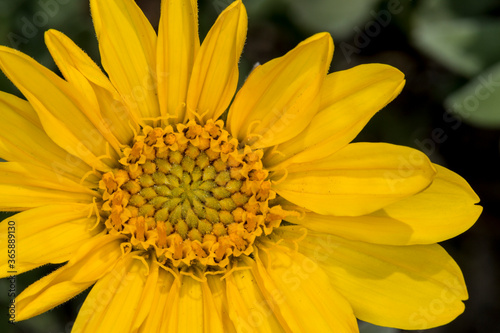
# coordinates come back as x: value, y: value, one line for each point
x: 188, y: 207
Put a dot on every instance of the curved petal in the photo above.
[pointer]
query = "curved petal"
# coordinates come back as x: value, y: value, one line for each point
x: 29, y: 143
x: 301, y: 291
x: 58, y: 108
x: 115, y: 296
x: 127, y: 43
x: 442, y: 211
x: 249, y: 308
x: 215, y: 72
x: 66, y: 226
x: 407, y: 287
x: 178, y: 44
x: 90, y: 263
x: 359, y: 179
x: 279, y: 98
x: 115, y: 124
x: 348, y: 101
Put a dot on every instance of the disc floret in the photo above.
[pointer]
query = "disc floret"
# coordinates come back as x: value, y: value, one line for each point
x: 190, y: 194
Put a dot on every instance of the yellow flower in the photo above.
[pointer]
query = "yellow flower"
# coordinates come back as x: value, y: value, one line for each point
x: 185, y: 220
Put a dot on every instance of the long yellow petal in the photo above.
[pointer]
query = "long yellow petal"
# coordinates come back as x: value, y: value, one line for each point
x: 444, y: 210
x: 215, y: 72
x: 127, y: 43
x: 29, y: 142
x: 86, y: 77
x: 49, y: 234
x: 221, y: 302
x: 58, y: 108
x: 156, y: 316
x: 147, y: 298
x: 178, y: 44
x: 301, y: 292
x: 348, y: 100
x: 359, y: 179
x: 123, y: 287
x: 250, y: 309
x: 279, y: 98
x: 89, y: 264
x: 24, y: 186
x: 408, y: 287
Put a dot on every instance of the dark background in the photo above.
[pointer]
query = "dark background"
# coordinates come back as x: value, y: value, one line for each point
x: 447, y: 50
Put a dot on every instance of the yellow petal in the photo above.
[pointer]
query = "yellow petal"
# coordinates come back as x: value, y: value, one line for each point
x: 90, y: 263
x: 86, y: 77
x: 221, y: 302
x: 161, y: 293
x: 178, y: 44
x: 359, y: 179
x: 147, y: 298
x: 301, y: 292
x: 57, y: 106
x: 215, y: 72
x: 127, y: 43
x: 32, y: 175
x: 348, y: 100
x: 24, y: 186
x: 249, y: 307
x: 442, y: 211
x: 279, y: 98
x: 49, y: 234
x: 123, y: 287
x: 192, y: 308
x: 407, y: 287
x: 29, y: 142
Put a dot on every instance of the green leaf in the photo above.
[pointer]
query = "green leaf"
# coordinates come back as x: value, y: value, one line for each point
x: 478, y: 102
x: 338, y: 17
x: 463, y: 44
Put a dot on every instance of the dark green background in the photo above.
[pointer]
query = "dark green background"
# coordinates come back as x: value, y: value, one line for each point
x: 444, y: 47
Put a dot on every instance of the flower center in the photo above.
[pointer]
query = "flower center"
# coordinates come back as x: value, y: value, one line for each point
x: 190, y: 195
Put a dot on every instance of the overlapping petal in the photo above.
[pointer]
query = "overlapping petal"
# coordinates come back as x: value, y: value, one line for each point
x: 407, y: 287
x: 58, y: 108
x: 293, y: 284
x: 29, y: 143
x: 94, y: 259
x: 215, y: 73
x: 123, y: 286
x: 249, y: 307
x: 160, y: 292
x: 348, y: 99
x: 104, y: 106
x: 444, y: 210
x: 127, y: 43
x: 25, y: 186
x: 359, y: 179
x: 49, y: 234
x: 279, y: 98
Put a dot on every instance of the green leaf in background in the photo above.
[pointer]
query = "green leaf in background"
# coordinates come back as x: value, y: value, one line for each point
x: 338, y: 17
x: 478, y: 102
x: 465, y: 45
x: 369, y: 328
